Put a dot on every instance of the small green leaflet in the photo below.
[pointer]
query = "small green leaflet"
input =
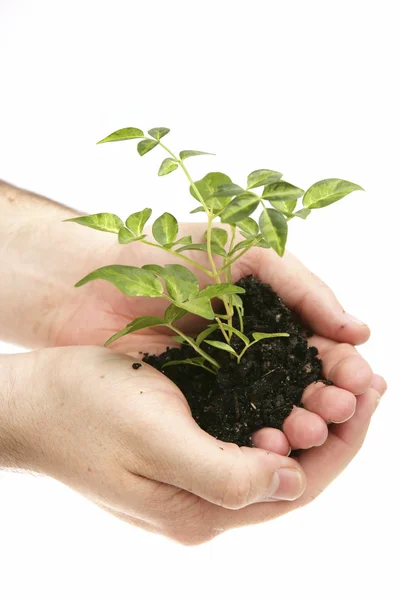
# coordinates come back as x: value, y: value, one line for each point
x: 240, y: 208
x: 158, y: 132
x: 207, y: 188
x: 203, y: 248
x: 205, y: 333
x: 327, y: 192
x: 165, y: 229
x: 241, y: 245
x: 282, y: 195
x: 221, y: 346
x: 132, y: 281
x: 136, y: 325
x: 248, y: 225
x: 198, y: 306
x: 220, y: 289
x: 167, y: 166
x: 136, y: 221
x: 182, y: 340
x: 196, y: 210
x: 188, y: 153
x: 181, y: 284
x: 219, y: 236
x: 263, y: 336
x: 187, y: 239
x: 262, y: 177
x: 228, y: 189
x: 125, y: 236
x: 198, y: 361
x: 274, y: 229
x: 146, y: 145
x: 128, y: 133
x: 101, y: 221
x: 303, y: 213
x: 240, y: 335
x: 173, y: 313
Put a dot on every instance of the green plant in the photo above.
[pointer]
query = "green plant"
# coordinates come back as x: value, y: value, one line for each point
x: 218, y: 197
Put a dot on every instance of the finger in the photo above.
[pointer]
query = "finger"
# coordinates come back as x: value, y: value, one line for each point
x: 304, y: 293
x: 379, y: 384
x: 304, y: 429
x: 272, y: 440
x: 331, y: 403
x: 343, y: 365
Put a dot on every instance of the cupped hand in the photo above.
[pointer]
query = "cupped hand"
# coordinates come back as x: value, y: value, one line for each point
x: 126, y: 440
x: 90, y: 315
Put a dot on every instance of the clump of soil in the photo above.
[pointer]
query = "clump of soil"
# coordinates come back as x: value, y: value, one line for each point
x: 262, y: 389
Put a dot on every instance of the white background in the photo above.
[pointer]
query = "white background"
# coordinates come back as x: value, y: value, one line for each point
x: 307, y: 88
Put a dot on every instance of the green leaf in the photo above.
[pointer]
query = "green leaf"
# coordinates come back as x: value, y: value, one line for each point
x: 248, y: 225
x: 198, y: 361
x: 240, y: 208
x: 196, y: 210
x: 203, y: 248
x: 205, y: 333
x: 221, y: 346
x: 219, y: 236
x: 282, y: 195
x: 274, y: 229
x: 125, y: 236
x: 101, y: 221
x: 188, y: 153
x: 262, y: 177
x: 136, y: 221
x: 132, y: 281
x: 241, y: 245
x: 198, y: 306
x: 182, y: 340
x: 228, y: 190
x: 181, y: 284
x: 240, y: 335
x: 146, y: 145
x: 263, y: 336
x: 173, y: 313
x: 167, y: 166
x: 165, y: 229
x: 158, y: 132
x: 220, y: 289
x: 327, y: 192
x: 207, y: 188
x: 136, y: 325
x: 238, y: 302
x: 127, y: 133
x: 303, y: 213
x: 187, y: 239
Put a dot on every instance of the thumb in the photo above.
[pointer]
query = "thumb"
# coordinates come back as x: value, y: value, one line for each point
x: 173, y: 449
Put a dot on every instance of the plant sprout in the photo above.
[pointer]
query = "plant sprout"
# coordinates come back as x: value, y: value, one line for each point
x: 219, y: 198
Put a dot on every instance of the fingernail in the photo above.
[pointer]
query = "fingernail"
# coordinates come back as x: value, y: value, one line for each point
x: 377, y: 400
x: 289, y: 451
x: 290, y: 484
x: 355, y: 320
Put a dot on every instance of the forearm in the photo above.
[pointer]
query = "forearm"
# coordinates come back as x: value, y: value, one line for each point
x: 40, y: 260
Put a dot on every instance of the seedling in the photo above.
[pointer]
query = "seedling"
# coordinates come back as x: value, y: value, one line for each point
x: 219, y: 198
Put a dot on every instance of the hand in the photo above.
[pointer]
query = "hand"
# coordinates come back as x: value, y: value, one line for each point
x: 126, y: 440
x: 92, y: 314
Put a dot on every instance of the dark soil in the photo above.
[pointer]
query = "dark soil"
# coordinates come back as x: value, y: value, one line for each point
x: 262, y: 389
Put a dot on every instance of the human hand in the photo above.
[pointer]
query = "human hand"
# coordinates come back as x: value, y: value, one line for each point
x: 126, y: 440
x: 91, y: 315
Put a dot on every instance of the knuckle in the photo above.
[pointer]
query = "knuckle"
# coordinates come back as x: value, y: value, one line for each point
x: 236, y: 490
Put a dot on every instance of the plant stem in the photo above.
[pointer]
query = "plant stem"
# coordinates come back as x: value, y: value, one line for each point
x: 226, y: 335
x: 179, y: 255
x: 228, y: 264
x: 195, y: 346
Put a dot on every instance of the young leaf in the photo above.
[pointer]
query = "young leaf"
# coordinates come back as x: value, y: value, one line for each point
x: 207, y: 188
x: 240, y: 335
x: 248, y: 225
x: 173, y: 313
x: 132, y: 281
x: 181, y: 284
x: 281, y: 191
x: 198, y: 306
x: 274, y: 229
x: 188, y: 153
x: 101, y: 221
x: 187, y: 239
x: 203, y: 248
x: 263, y: 336
x: 219, y: 236
x: 182, y: 340
x: 220, y: 289
x: 136, y: 221
x: 158, y: 132
x: 146, y: 145
x: 205, y: 333
x: 238, y: 302
x: 243, y: 244
x: 125, y: 236
x: 198, y: 361
x: 303, y: 213
x: 262, y: 177
x: 239, y: 208
x: 128, y: 133
x: 228, y: 189
x: 136, y: 325
x: 167, y: 166
x: 165, y: 229
x: 196, y: 210
x: 221, y: 346
x: 327, y: 191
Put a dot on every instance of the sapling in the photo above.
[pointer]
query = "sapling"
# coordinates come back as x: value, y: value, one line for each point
x: 219, y: 198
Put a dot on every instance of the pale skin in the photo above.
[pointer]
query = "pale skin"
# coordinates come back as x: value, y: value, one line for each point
x: 126, y: 439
